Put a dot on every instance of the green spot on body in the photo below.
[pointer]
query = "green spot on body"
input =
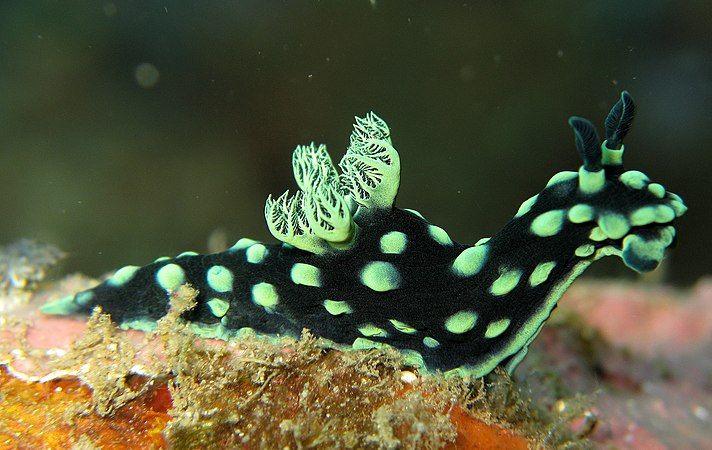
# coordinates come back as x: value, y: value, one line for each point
x: 430, y: 342
x: 170, y: 277
x: 380, y: 276
x: 642, y: 216
x: 141, y: 324
x: 664, y: 214
x: 243, y: 244
x: 597, y: 235
x: 496, y: 328
x: 461, y: 322
x: 634, y: 179
x: 256, y: 253
x: 415, y: 213
x: 265, y: 295
x: 402, y: 327
x: 210, y: 331
x: 614, y: 225
x: 677, y: 204
x: 306, y: 274
x: 370, y: 330
x: 336, y: 308
x: 585, y: 250
x: 644, y: 255
x: 657, y: 190
x: 162, y: 258
x: 507, y: 281
x: 548, y: 223
x: 123, y: 275
x: 591, y: 182
x: 218, y: 307
x: 84, y: 298
x: 483, y: 240
x: 365, y: 344
x: 526, y: 206
x: 541, y: 273
x: 393, y: 242
x: 581, y: 213
x: 220, y: 279
x: 412, y: 358
x: 439, y: 235
x: 470, y: 261
x: 188, y: 253
x: 561, y: 177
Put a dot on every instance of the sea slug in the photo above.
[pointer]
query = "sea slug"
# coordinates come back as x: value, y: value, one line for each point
x: 360, y: 272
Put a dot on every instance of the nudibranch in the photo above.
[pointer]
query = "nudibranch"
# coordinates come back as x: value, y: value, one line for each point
x: 362, y: 273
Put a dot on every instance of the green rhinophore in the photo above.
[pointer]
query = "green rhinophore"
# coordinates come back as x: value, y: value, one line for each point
x: 220, y: 279
x: 560, y: 177
x: 611, y: 156
x: 170, y: 277
x: 591, y: 182
x: 461, y: 322
x: 393, y: 242
x: 470, y: 261
x: 496, y: 328
x: 541, y: 273
x: 508, y: 280
x: 548, y: 223
x: 581, y: 213
x: 439, y: 235
x: 218, y: 307
x: 430, y: 342
x: 634, y: 179
x: 614, y: 225
x: 265, y: 295
x: 336, y: 308
x: 370, y: 330
x: 402, y: 327
x: 306, y: 274
x: 256, y: 253
x: 123, y: 275
x: 585, y: 250
x: 380, y: 276
x: 657, y: 190
x: 526, y: 206
x: 243, y: 243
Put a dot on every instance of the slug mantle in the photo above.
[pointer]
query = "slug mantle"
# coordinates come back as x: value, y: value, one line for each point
x: 360, y: 272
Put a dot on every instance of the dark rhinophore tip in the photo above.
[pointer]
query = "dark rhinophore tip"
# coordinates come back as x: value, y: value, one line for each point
x: 587, y: 143
x: 619, y: 120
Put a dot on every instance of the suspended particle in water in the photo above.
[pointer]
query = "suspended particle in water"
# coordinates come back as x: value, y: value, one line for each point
x: 146, y: 75
x: 110, y: 9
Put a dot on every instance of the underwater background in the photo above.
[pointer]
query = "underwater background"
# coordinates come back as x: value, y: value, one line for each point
x: 130, y: 130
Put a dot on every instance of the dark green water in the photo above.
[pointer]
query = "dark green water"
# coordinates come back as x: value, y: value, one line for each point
x: 130, y: 130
